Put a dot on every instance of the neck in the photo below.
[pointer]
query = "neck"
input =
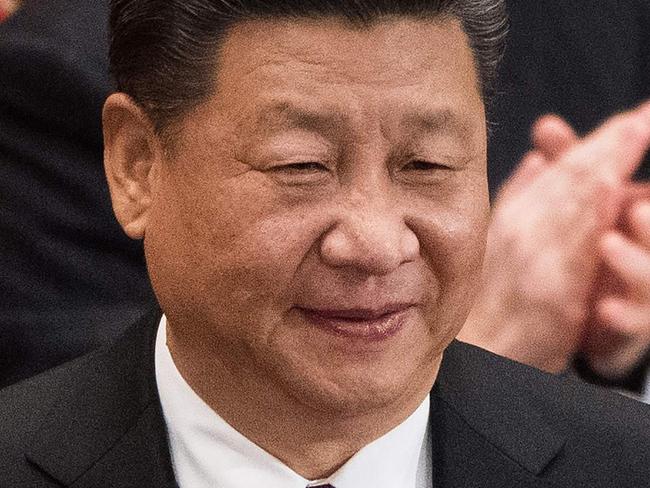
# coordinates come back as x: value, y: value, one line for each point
x: 313, y: 442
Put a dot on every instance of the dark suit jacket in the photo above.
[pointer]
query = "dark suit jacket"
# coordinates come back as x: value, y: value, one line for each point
x: 70, y: 280
x: 97, y: 422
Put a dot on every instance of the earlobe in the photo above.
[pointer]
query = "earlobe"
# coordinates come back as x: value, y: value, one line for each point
x: 132, y: 158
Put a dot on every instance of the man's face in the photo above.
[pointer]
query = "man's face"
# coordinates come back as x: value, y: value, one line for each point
x: 320, y: 222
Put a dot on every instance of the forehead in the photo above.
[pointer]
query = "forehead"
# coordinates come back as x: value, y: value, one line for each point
x: 382, y: 52
x: 303, y: 69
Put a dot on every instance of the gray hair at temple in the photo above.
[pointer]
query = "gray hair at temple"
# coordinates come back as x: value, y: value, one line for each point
x: 164, y: 52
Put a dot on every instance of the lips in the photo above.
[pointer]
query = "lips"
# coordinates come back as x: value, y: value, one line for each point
x: 374, y: 324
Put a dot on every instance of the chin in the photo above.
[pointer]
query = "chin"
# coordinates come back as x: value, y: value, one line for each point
x: 355, y: 389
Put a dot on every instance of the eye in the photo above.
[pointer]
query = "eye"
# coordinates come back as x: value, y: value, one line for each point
x: 422, y: 165
x: 422, y: 172
x: 303, y: 167
x: 300, y: 174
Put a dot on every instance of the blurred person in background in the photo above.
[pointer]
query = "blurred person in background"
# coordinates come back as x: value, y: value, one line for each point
x: 567, y: 271
x: 70, y: 280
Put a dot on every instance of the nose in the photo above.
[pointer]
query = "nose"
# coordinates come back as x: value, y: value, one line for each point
x: 370, y: 236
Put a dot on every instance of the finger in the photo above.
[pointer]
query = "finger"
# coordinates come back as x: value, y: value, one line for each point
x: 628, y: 261
x: 626, y: 317
x: 632, y: 193
x: 531, y: 165
x: 613, y: 152
x: 639, y: 224
x: 552, y: 136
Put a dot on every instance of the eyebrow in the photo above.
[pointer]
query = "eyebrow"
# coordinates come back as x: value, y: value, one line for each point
x: 426, y: 121
x: 418, y: 122
x: 288, y: 115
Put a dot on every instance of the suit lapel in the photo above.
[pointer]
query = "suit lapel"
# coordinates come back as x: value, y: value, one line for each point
x: 139, y: 459
x: 487, y: 428
x: 109, y: 430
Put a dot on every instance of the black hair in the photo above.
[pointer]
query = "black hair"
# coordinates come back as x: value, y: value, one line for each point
x: 164, y: 52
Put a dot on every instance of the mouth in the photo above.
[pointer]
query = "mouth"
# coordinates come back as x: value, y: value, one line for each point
x: 366, y: 324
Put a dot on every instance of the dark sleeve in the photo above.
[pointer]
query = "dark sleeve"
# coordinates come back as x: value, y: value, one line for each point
x: 63, y: 257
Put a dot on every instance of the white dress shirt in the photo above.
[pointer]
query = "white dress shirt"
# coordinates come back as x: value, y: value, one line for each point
x: 207, y: 452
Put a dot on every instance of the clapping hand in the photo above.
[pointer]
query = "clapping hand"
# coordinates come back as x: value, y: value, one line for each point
x: 550, y: 229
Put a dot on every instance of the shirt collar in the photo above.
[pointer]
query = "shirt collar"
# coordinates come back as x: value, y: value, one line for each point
x: 206, y: 451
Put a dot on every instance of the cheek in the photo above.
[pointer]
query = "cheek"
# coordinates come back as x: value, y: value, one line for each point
x: 452, y: 240
x: 236, y: 247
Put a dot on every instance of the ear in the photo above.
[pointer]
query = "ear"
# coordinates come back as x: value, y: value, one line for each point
x: 132, y: 158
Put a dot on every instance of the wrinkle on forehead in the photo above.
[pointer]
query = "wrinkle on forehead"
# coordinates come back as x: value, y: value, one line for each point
x: 323, y: 56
